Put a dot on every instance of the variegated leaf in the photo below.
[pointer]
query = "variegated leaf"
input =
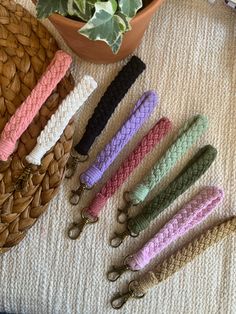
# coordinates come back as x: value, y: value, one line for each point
x: 105, y: 25
x: 46, y: 8
x: 130, y: 7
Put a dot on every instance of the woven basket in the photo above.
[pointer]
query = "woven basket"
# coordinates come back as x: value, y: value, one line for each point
x: 26, y: 49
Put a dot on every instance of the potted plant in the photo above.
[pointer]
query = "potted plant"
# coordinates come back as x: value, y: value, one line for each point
x: 99, y: 31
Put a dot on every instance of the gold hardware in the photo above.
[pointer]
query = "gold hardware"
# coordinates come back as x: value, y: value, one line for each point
x: 76, y: 194
x: 117, y: 271
x: 118, y: 238
x: 123, y: 213
x: 118, y: 301
x: 23, y: 178
x: 76, y: 229
x: 72, y: 163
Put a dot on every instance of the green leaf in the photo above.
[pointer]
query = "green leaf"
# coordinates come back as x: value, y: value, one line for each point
x: 105, y: 25
x: 74, y: 10
x: 126, y: 20
x: 130, y: 7
x: 81, y: 4
x: 116, y: 45
x: 45, y: 7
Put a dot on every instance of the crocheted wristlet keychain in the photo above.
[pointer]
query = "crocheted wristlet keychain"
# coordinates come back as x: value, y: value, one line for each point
x: 57, y: 123
x: 24, y: 115
x: 142, y: 110
x: 187, y: 218
x: 174, y: 263
x: 186, y: 137
x: 195, y: 168
x: 149, y: 141
x: 106, y: 106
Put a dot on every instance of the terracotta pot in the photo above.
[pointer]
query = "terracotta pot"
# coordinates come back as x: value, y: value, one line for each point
x: 98, y: 51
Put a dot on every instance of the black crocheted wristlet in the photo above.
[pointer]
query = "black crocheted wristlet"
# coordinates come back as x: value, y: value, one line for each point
x: 105, y: 108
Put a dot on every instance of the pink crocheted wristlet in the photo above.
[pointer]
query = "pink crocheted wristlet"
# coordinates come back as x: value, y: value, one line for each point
x: 193, y: 213
x: 24, y: 115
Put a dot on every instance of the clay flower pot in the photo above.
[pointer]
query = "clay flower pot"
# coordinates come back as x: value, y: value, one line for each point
x: 98, y: 51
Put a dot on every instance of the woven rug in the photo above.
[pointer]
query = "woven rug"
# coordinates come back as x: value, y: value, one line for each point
x: 189, y: 50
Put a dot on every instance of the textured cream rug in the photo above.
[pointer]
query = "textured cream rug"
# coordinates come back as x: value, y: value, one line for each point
x: 189, y: 50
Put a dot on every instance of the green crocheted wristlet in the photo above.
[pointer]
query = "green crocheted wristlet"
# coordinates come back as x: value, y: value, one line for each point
x: 186, y: 137
x: 195, y: 168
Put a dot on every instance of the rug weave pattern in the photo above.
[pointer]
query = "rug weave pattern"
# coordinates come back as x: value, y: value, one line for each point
x: 189, y: 50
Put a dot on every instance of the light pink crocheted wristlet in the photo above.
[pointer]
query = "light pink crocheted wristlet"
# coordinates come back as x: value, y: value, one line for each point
x: 24, y: 115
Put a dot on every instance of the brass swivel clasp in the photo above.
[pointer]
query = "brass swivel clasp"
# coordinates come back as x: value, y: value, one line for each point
x: 123, y: 213
x: 117, y: 271
x: 23, y: 178
x: 73, y: 161
x: 120, y: 299
x: 76, y: 194
x: 76, y: 229
x: 119, y: 238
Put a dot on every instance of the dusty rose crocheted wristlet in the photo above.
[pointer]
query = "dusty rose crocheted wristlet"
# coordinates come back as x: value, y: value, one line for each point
x: 148, y: 142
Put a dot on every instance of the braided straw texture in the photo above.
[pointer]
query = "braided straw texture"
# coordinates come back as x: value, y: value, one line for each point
x: 189, y: 50
x: 186, y: 255
x: 194, y: 212
x: 26, y: 50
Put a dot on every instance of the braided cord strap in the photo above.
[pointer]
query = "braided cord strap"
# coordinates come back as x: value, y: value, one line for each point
x: 148, y: 142
x: 188, y: 217
x: 142, y: 110
x: 195, y: 168
x: 24, y: 115
x: 186, y: 137
x: 185, y: 255
x: 109, y: 101
x: 59, y: 120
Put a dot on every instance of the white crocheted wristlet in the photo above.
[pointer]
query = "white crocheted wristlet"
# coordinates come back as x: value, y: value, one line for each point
x: 59, y: 120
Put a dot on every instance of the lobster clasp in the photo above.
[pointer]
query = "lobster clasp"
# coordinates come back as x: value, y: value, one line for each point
x: 76, y: 194
x: 76, y: 229
x: 123, y: 213
x: 119, y: 238
x: 73, y: 161
x: 23, y: 178
x: 120, y: 299
x: 116, y: 272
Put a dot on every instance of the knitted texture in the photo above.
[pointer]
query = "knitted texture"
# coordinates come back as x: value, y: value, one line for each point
x: 148, y: 142
x: 186, y: 137
x: 189, y: 50
x: 109, y: 101
x: 185, y: 255
x: 24, y: 115
x: 195, y: 168
x: 142, y: 110
x: 188, y: 217
x: 59, y: 120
